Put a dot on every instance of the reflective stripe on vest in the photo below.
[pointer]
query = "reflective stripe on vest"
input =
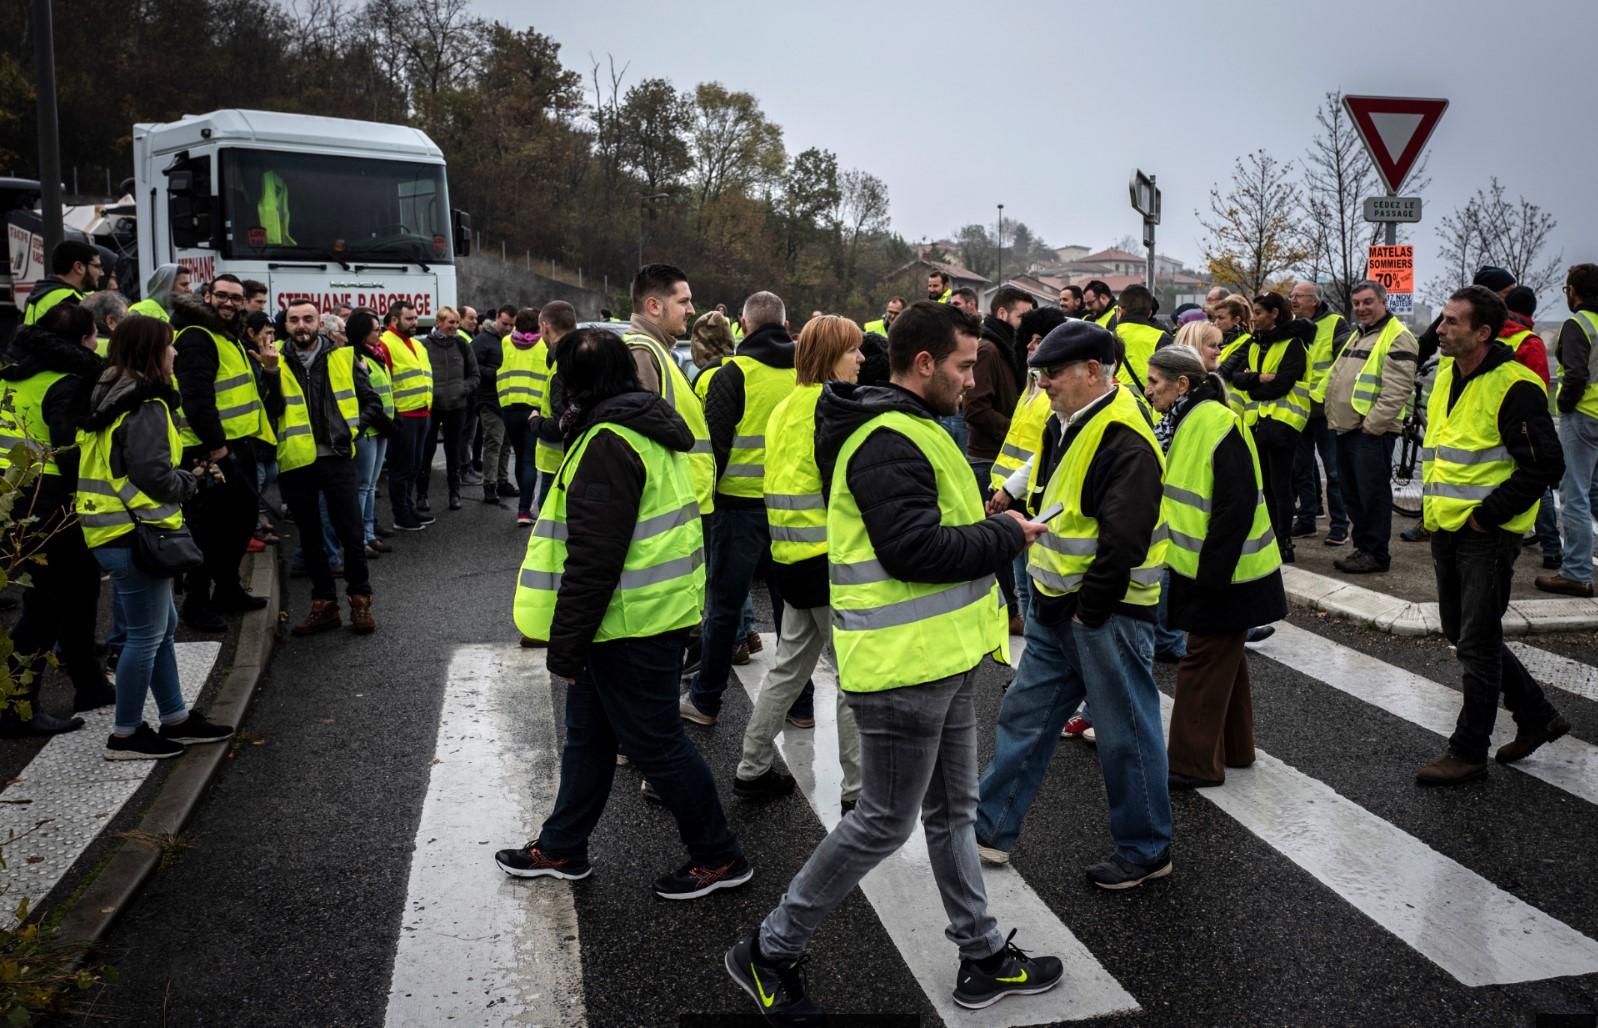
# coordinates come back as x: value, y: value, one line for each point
x: 888, y: 632
x: 22, y: 420
x: 1587, y: 321
x: 675, y: 388
x: 238, y: 402
x: 296, y: 440
x: 1368, y: 386
x: 377, y: 375
x: 1463, y: 456
x: 796, y: 512
x: 1327, y: 326
x: 1025, y: 435
x: 523, y: 375
x: 764, y: 388
x: 662, y: 583
x: 105, y: 503
x: 1291, y: 410
x: 1058, y: 567
x: 1190, y: 491
x: 413, y: 374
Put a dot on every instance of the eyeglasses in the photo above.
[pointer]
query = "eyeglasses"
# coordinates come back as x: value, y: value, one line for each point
x: 228, y: 297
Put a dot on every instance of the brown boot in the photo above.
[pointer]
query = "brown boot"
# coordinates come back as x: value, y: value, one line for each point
x: 323, y: 616
x: 361, y: 622
x: 1562, y: 585
x: 1450, y: 770
x: 1528, y: 739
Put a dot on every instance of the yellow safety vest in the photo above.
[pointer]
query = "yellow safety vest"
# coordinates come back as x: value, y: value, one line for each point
x: 1140, y: 341
x: 1103, y: 320
x: 888, y: 632
x: 796, y: 512
x: 1463, y: 456
x: 675, y: 388
x: 238, y: 401
x: 413, y: 373
x: 150, y: 309
x: 22, y: 420
x: 102, y: 347
x: 1024, y: 437
x: 273, y: 209
x: 382, y: 385
x: 296, y: 444
x: 1190, y: 493
x: 547, y: 456
x: 1327, y: 326
x: 1587, y: 321
x: 1291, y: 410
x: 1368, y: 386
x: 1058, y: 561
x: 662, y: 584
x: 105, y: 501
x: 764, y: 388
x: 706, y: 373
x: 1237, y: 399
x: 946, y: 294
x: 523, y: 374
x: 39, y: 304
x: 878, y: 326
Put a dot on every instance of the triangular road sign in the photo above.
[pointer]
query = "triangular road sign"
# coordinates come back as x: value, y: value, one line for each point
x: 1395, y: 130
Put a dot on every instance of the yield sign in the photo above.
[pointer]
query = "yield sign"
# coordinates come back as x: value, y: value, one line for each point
x: 1395, y: 130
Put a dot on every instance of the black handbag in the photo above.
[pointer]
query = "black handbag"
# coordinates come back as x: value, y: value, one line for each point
x: 164, y: 552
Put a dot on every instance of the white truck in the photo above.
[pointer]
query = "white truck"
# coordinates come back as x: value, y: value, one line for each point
x: 325, y: 209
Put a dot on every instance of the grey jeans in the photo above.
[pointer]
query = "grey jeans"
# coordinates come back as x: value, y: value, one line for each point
x: 804, y: 635
x: 919, y: 753
x: 496, y: 450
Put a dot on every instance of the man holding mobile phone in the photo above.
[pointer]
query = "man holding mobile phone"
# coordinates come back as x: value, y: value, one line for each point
x: 1090, y: 626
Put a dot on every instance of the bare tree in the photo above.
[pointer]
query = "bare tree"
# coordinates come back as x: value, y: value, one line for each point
x: 1256, y: 227
x: 1338, y: 176
x: 862, y: 212
x: 1489, y: 228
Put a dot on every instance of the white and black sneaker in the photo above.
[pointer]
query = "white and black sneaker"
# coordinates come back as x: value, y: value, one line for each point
x: 531, y: 862
x: 195, y: 729
x: 692, y: 881
x: 143, y: 744
x: 1009, y: 972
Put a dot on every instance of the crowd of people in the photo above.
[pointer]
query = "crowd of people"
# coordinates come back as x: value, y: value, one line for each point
x: 1112, y: 488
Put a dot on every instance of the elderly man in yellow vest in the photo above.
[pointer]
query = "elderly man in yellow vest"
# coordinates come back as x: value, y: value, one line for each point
x: 1490, y: 452
x: 326, y: 402
x: 1368, y: 392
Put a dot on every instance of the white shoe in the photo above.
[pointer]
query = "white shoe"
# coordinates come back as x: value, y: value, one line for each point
x: 689, y: 712
x: 989, y: 855
x: 1089, y: 737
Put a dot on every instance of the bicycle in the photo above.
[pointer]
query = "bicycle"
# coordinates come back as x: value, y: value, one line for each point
x: 1406, y: 478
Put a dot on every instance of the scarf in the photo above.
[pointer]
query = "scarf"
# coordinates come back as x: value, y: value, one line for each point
x: 1165, y: 428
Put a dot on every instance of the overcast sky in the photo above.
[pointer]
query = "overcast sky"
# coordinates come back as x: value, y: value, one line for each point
x: 960, y: 107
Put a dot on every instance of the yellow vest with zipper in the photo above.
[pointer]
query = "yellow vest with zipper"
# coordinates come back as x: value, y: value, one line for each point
x: 106, y: 502
x: 1368, y: 386
x: 1190, y: 494
x: 1463, y: 456
x: 413, y: 374
x: 523, y: 375
x: 796, y: 512
x: 1291, y: 410
x: 296, y: 443
x: 675, y: 388
x: 238, y: 401
x: 764, y: 388
x: 22, y: 420
x: 1319, y: 367
x: 888, y: 632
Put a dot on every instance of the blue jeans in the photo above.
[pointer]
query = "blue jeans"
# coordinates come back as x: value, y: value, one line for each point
x: 1167, y: 640
x: 1110, y: 665
x: 369, y: 451
x: 330, y: 544
x: 1023, y: 584
x: 1365, y: 475
x: 149, y: 660
x: 1546, y: 529
x: 1316, y: 437
x: 736, y: 540
x: 625, y: 701
x: 1578, y: 437
x: 955, y: 425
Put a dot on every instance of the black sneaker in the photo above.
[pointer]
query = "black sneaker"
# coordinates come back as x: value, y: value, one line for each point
x: 1120, y: 873
x: 531, y: 862
x: 1016, y: 975
x: 1360, y: 563
x: 845, y: 806
x: 409, y: 524
x: 507, y: 490
x: 778, y: 987
x: 1303, y: 529
x: 237, y: 602
x: 422, y: 506
x: 768, y: 786
x: 692, y: 881
x: 424, y: 519
x: 143, y: 744
x: 196, y: 729
x: 1336, y: 537
x: 202, y: 619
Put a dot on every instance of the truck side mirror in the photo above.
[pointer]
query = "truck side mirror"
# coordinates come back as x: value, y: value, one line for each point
x: 463, y: 232
x: 191, y: 209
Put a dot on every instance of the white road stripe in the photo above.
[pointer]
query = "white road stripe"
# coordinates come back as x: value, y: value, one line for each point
x: 1449, y: 914
x: 69, y: 792
x: 1569, y: 764
x: 1562, y: 673
x: 476, y: 947
x: 903, y: 893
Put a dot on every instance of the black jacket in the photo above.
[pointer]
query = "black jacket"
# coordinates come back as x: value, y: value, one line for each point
x: 195, y: 367
x: 456, y: 378
x: 1212, y: 605
x: 486, y: 348
x: 327, y: 422
x: 1122, y: 489
x: 602, y: 501
x: 1297, y: 335
x: 1573, y: 350
x: 772, y: 346
x: 897, y: 490
x: 140, y: 449
x: 65, y: 403
x: 1528, y: 434
x: 997, y: 380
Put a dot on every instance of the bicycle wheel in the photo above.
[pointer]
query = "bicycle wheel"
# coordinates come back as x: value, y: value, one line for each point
x: 1406, y: 477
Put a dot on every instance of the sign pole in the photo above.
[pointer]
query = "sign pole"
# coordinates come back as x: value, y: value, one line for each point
x: 49, y: 129
x: 1391, y: 231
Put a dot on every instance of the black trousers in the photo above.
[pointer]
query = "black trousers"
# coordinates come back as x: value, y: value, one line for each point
x: 451, y: 425
x: 334, y: 478
x: 221, y: 517
x: 60, y: 606
x: 1277, y: 445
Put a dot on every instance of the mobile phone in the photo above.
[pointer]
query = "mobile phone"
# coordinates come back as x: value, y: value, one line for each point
x: 1052, y: 513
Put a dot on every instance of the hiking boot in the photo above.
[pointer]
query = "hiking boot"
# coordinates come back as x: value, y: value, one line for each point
x: 692, y: 881
x: 361, y: 622
x: 1120, y: 873
x: 778, y: 986
x: 768, y: 786
x: 143, y: 744
x: 1009, y: 972
x: 1527, y: 740
x: 1563, y: 586
x: 323, y: 617
x: 531, y: 862
x: 1450, y: 770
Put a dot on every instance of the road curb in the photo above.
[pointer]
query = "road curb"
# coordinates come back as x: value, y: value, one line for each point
x: 1387, y: 613
x: 125, y: 871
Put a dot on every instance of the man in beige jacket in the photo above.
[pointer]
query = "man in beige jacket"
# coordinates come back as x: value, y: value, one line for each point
x: 1371, y: 385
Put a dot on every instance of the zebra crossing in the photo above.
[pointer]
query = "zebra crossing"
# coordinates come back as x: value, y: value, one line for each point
x: 475, y: 948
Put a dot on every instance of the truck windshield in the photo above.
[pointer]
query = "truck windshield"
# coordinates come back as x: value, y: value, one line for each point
x: 285, y: 205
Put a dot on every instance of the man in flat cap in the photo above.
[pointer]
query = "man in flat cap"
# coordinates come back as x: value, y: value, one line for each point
x: 1090, y: 628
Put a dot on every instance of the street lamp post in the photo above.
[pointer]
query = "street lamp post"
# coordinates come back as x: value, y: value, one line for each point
x: 1001, y: 244
x: 642, y: 197
x: 49, y: 132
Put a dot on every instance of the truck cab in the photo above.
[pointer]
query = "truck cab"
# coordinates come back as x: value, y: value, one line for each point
x: 326, y: 209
